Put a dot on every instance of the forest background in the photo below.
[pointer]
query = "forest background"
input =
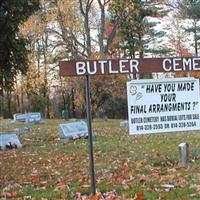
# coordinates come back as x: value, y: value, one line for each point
x: 36, y: 35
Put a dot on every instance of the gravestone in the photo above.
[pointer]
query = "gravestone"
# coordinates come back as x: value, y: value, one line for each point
x: 124, y: 123
x: 184, y: 154
x: 105, y: 118
x: 33, y: 117
x: 19, y: 117
x: 65, y: 115
x: 73, y: 130
x: 9, y: 141
x: 21, y: 130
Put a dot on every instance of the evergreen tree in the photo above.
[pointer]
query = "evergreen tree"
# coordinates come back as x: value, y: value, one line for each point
x: 136, y: 30
x: 190, y: 9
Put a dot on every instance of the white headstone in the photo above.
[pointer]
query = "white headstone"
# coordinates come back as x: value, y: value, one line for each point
x: 9, y: 141
x: 75, y: 129
x: 183, y: 153
x: 34, y: 117
x: 19, y: 117
x: 124, y: 123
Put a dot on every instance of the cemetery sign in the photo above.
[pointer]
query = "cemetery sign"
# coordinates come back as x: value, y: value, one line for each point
x: 128, y: 66
x: 164, y: 105
x: 136, y: 66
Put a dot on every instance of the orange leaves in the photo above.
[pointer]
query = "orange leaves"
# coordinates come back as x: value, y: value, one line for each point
x: 125, y: 164
x: 96, y: 197
x: 10, y: 194
x: 113, y: 196
x: 105, y: 196
x: 61, y: 186
x: 35, y: 178
x: 47, y: 166
x: 139, y: 196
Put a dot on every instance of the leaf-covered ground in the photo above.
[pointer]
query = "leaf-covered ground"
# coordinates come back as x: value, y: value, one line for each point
x: 126, y: 167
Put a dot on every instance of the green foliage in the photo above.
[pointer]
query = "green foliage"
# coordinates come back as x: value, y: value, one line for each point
x: 38, y: 103
x: 13, y: 52
x: 191, y: 9
x: 134, y: 25
x: 116, y: 108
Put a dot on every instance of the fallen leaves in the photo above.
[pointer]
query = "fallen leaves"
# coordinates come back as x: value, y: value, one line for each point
x: 11, y: 190
x: 99, y: 196
x: 35, y: 178
x: 110, y: 196
x: 139, y: 196
x: 196, y: 187
x: 125, y: 167
x: 60, y: 186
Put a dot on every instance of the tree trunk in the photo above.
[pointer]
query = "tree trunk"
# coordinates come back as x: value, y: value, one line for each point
x: 9, y: 103
x: 68, y: 106
x: 18, y: 108
x: 195, y: 41
x: 17, y: 101
x: 21, y: 102
x: 141, y: 52
x: 45, y: 92
x: 64, y: 101
x: 48, y: 108
x: 1, y: 103
x: 73, y: 104
x: 1, y: 97
x: 102, y: 28
x: 85, y: 14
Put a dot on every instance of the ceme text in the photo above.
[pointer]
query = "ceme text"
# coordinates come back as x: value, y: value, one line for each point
x: 181, y: 64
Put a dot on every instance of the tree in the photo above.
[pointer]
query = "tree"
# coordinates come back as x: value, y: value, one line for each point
x: 13, y: 51
x: 136, y: 29
x: 42, y: 56
x: 177, y: 36
x: 190, y: 9
x: 78, y: 22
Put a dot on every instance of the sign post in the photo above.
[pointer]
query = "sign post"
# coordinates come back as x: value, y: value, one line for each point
x: 89, y: 120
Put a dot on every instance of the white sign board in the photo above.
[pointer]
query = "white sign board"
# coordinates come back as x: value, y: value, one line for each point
x: 165, y: 105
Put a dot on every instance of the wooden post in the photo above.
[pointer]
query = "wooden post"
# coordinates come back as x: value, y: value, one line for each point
x: 184, y: 154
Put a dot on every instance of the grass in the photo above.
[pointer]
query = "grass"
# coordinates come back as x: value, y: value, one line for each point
x: 52, y: 169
